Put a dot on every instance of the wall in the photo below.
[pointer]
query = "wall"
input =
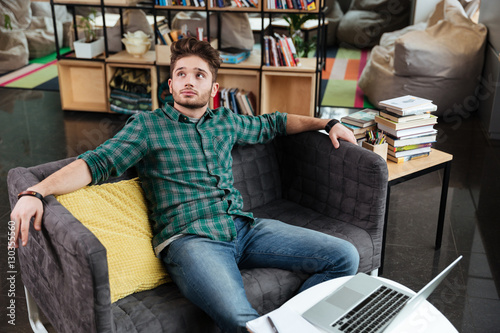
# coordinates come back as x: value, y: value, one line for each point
x: 489, y: 107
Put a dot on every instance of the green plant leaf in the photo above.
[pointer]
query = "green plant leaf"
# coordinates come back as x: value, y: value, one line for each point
x: 8, y: 24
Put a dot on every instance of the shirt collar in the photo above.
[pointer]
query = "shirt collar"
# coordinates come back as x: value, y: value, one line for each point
x: 173, y: 114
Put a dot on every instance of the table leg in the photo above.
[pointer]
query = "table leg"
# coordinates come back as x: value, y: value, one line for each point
x: 442, y: 205
x: 384, y: 232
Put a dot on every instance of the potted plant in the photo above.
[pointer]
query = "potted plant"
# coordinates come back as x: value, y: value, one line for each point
x: 295, y: 22
x: 91, y: 45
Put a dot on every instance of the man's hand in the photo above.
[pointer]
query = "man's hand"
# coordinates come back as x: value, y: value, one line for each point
x: 27, y: 207
x: 68, y: 179
x: 339, y: 131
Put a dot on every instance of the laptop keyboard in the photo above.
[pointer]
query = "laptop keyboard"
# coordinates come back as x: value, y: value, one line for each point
x: 373, y: 313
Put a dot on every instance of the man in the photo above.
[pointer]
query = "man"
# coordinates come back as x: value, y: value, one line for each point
x: 183, y: 157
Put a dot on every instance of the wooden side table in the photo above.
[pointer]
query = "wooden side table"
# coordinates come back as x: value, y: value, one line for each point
x: 399, y: 173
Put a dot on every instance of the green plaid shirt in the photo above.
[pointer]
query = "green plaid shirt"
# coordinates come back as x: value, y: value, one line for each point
x: 185, y: 167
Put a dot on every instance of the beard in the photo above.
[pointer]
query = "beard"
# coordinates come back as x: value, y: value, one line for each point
x: 192, y: 102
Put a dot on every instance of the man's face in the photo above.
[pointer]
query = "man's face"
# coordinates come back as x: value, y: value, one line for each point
x: 191, y: 83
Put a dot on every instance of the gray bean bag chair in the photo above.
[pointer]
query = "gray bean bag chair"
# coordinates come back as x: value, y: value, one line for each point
x: 440, y: 60
x: 366, y: 20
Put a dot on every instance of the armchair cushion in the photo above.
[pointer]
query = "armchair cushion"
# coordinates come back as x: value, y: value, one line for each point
x: 116, y: 213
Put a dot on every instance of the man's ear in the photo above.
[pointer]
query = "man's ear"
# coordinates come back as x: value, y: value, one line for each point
x: 215, y: 88
x: 170, y: 85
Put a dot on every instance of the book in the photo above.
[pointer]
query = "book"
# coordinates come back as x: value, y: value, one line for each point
x: 359, y: 130
x: 293, y: 50
x: 311, y: 4
x: 267, y: 59
x: 161, y: 38
x: 216, y: 100
x: 243, y: 107
x: 402, y: 119
x: 232, y: 100
x: 224, y: 100
x: 409, y: 124
x: 408, y: 147
x: 234, y: 58
x: 245, y: 96
x: 407, y: 131
x: 404, y: 102
x: 406, y: 158
x: 411, y: 140
x: 280, y: 51
x: 252, y: 100
x: 363, y: 118
x: 410, y: 152
x: 415, y: 110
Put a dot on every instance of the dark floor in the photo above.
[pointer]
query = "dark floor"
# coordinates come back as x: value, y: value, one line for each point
x: 34, y: 130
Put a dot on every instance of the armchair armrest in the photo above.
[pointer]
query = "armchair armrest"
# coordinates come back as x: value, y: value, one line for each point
x: 348, y: 184
x: 64, y: 265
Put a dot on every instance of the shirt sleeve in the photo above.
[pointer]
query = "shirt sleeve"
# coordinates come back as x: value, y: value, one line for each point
x: 116, y: 155
x: 260, y: 129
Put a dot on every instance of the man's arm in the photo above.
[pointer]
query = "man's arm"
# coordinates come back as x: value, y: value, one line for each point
x: 298, y: 124
x: 68, y: 179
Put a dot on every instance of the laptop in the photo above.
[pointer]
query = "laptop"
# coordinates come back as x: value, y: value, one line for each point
x: 367, y: 304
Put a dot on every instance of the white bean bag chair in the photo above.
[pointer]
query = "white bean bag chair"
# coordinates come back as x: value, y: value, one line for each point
x: 440, y: 60
x: 14, y: 52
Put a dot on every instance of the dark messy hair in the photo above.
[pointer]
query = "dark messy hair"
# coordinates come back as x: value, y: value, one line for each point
x: 190, y: 46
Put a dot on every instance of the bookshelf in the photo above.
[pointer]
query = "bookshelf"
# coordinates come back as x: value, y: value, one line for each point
x: 286, y: 89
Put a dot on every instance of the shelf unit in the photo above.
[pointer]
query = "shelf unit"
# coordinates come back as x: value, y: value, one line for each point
x: 286, y: 89
x: 82, y: 85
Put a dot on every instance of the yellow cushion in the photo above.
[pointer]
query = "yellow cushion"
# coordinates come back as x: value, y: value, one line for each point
x: 117, y: 215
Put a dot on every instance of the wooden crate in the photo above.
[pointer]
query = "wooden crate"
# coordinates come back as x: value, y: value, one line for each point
x: 111, y: 68
x: 286, y: 91
x: 82, y: 85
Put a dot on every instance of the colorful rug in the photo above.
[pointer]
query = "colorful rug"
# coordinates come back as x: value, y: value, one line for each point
x: 340, y: 78
x: 39, y: 74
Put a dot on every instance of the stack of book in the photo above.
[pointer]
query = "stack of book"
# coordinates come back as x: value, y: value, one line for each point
x: 292, y: 4
x: 234, y: 3
x: 195, y: 3
x: 409, y: 127
x: 238, y: 100
x: 280, y: 51
x: 360, y: 123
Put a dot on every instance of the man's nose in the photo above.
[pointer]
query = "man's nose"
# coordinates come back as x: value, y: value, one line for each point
x: 189, y: 80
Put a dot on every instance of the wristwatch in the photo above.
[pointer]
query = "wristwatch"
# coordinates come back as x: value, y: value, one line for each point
x: 330, y: 125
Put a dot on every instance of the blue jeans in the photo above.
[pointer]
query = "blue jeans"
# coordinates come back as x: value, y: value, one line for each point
x: 208, y: 272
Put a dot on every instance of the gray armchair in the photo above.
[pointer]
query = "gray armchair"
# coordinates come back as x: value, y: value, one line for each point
x: 300, y: 179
